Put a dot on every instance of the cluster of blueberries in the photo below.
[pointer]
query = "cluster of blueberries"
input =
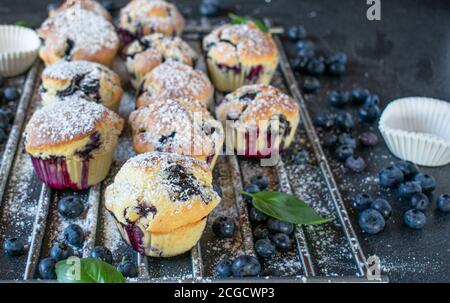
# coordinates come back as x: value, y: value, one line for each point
x: 8, y: 99
x: 412, y: 186
x: 271, y: 235
x: 209, y: 8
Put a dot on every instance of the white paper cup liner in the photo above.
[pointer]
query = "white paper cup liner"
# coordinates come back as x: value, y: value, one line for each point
x: 418, y: 129
x: 19, y: 48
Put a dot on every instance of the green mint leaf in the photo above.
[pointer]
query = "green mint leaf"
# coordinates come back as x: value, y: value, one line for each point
x: 235, y: 19
x: 76, y: 270
x: 23, y: 24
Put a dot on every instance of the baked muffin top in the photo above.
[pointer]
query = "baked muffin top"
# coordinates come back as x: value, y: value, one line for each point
x: 90, y: 5
x: 65, y: 70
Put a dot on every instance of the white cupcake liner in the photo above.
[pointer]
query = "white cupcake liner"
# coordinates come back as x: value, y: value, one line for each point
x: 19, y: 47
x: 417, y: 129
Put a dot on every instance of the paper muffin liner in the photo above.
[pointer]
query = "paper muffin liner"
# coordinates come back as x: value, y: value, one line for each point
x: 417, y: 129
x: 19, y: 48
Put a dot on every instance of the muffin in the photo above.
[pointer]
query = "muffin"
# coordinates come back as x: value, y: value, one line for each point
x: 260, y: 120
x: 72, y: 146
x: 180, y: 126
x: 143, y: 17
x: 177, y: 81
x: 146, y: 53
x: 160, y: 202
x: 89, y: 5
x: 89, y: 80
x: 239, y: 55
x: 78, y: 34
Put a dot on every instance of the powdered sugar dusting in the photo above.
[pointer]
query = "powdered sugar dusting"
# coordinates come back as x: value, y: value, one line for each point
x: 68, y: 70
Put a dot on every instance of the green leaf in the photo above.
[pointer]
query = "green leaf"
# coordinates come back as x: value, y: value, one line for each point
x: 76, y: 270
x: 23, y: 24
x: 287, y: 208
x: 235, y: 19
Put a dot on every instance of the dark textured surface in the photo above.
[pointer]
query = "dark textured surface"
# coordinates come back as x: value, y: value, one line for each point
x: 405, y: 54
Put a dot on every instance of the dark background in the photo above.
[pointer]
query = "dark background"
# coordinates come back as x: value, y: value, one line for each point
x: 407, y: 53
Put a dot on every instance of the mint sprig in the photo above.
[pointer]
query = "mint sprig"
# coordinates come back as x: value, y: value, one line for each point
x: 235, y: 19
x: 76, y: 270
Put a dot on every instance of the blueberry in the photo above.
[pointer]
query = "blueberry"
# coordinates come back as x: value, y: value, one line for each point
x: 343, y: 152
x: 338, y: 99
x: 109, y: 6
x: 345, y: 121
x: 383, y: 206
x: 305, y: 45
x: 278, y: 226
x: 407, y: 189
x: 74, y: 235
x: 296, y: 33
x: 311, y: 85
x: 61, y: 251
x: 330, y: 141
x: 427, y: 182
x: 419, y: 201
x: 4, y: 119
x: 337, y: 57
x: 359, y: 95
x: 208, y: 9
x: 13, y: 247
x: 128, y: 269
x: 390, y: 177
x: 369, y: 113
x: 251, y: 189
x: 362, y: 201
x: 355, y: 164
x: 325, y: 120
x: 3, y: 136
x: 408, y: 168
x: 368, y: 139
x: 224, y: 227
x: 224, y: 268
x: 302, y: 157
x: 245, y: 266
x: 299, y: 63
x: 53, y: 6
x: 282, y: 242
x: 414, y: 219
x: 347, y: 139
x: 47, y: 269
x: 306, y: 53
x: 372, y: 100
x: 261, y: 232
x: 336, y: 69
x: 261, y: 181
x: 257, y: 216
x: 443, y: 203
x: 264, y: 248
x: 315, y: 67
x: 371, y: 221
x: 70, y: 207
x: 218, y: 190
x: 10, y: 94
x: 102, y: 253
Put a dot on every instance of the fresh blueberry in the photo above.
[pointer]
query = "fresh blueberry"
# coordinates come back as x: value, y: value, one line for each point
x: 13, y: 247
x: 224, y: 268
x: 383, y: 206
x: 407, y: 189
x: 325, y: 120
x: 371, y: 221
x: 257, y: 216
x: 74, y: 235
x: 408, y: 168
x: 261, y: 232
x: 11, y: 94
x: 305, y: 44
x: 390, y: 177
x: 414, y: 219
x: 128, y: 269
x: 427, y: 182
x: 359, y: 95
x: 355, y: 164
x: 208, y: 9
x: 246, y: 266
x: 218, y: 190
x: 61, y: 251
x: 102, y: 253
x: 362, y: 201
x: 282, y: 242
x: 347, y: 139
x: 368, y: 139
x: 53, y: 6
x: 224, y: 227
x: 47, y: 269
x: 338, y: 99
x: 300, y: 62
x: 70, y: 207
x: 302, y: 157
x: 345, y: 121
x: 372, y: 100
x: 330, y: 140
x: 251, y: 189
x: 336, y: 69
x: 306, y: 53
x: 296, y: 33
x: 369, y: 113
x: 419, y: 201
x: 311, y: 85
x: 109, y: 6
x: 343, y: 152
x: 3, y: 136
x: 337, y: 57
x: 264, y: 248
x: 4, y: 119
x: 315, y: 67
x: 278, y: 226
x: 261, y: 181
x: 443, y: 203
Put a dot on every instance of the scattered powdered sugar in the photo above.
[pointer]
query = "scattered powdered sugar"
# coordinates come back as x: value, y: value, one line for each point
x: 68, y: 70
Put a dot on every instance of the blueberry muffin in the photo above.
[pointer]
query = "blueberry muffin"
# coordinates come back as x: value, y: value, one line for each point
x: 78, y: 34
x: 161, y: 201
x: 177, y: 81
x: 89, y: 5
x: 143, y: 17
x: 89, y: 80
x: 239, y: 55
x: 180, y: 126
x: 146, y: 53
x: 260, y: 120
x: 72, y: 146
